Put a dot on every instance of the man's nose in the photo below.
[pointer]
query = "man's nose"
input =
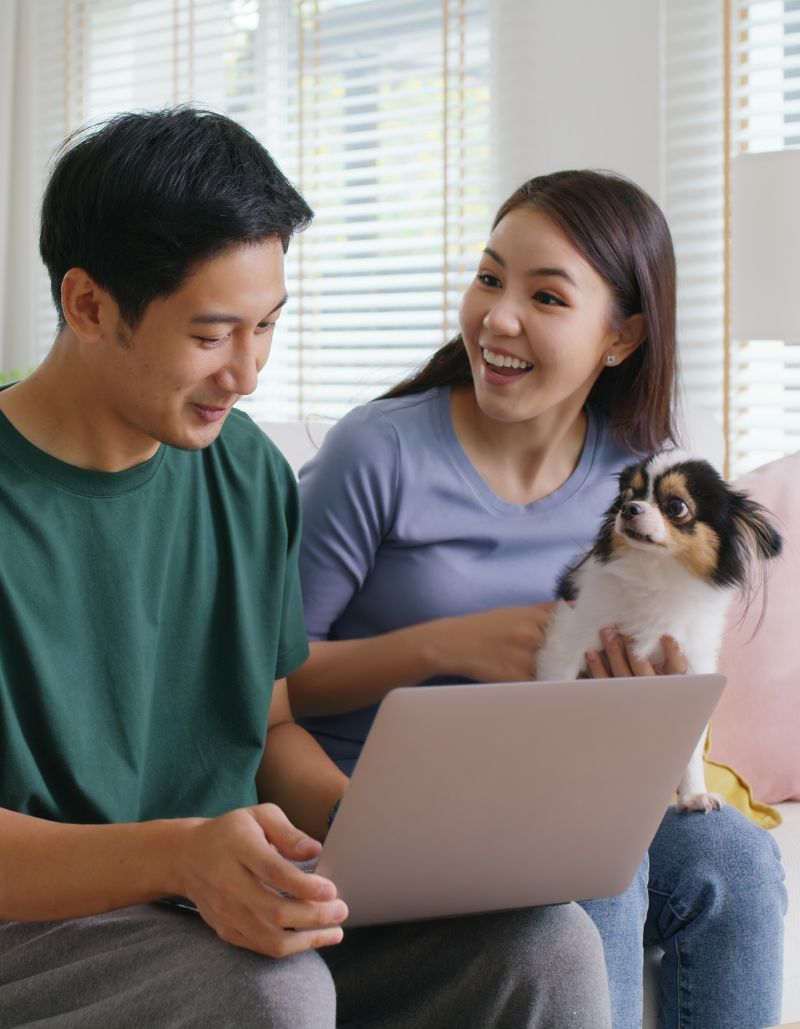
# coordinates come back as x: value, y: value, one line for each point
x: 247, y: 357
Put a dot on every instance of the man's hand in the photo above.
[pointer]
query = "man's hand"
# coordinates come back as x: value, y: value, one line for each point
x: 237, y: 867
x: 493, y: 646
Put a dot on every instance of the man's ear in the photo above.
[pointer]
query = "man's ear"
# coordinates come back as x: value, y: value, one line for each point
x: 630, y: 335
x: 89, y: 310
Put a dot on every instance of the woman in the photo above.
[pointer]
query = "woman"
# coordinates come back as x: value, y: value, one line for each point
x: 437, y: 519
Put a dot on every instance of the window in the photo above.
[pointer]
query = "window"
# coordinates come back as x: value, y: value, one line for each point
x: 376, y: 109
x: 711, y: 113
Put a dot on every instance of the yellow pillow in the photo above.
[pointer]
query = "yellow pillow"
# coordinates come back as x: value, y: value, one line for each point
x: 736, y: 791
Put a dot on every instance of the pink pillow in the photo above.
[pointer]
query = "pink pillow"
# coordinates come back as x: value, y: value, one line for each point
x: 756, y: 727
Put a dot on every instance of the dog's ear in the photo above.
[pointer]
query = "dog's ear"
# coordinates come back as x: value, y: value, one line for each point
x: 760, y: 539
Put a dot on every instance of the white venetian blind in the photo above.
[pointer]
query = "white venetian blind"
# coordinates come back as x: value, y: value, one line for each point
x: 752, y: 385
x: 376, y: 109
x: 765, y: 374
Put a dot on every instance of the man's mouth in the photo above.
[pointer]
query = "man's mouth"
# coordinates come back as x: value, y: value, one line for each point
x: 504, y: 364
x: 211, y: 412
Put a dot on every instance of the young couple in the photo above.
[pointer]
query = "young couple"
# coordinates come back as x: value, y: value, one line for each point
x: 151, y: 612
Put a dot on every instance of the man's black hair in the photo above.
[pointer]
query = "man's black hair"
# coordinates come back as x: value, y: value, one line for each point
x: 141, y: 200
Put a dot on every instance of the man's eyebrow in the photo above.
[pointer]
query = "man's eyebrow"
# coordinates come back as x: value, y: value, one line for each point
x: 222, y: 318
x: 534, y: 272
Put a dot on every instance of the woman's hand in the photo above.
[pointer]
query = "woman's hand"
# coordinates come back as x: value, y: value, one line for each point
x: 492, y: 646
x: 619, y: 659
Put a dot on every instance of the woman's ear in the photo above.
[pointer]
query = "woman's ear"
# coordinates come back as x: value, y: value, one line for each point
x: 88, y: 309
x: 630, y: 335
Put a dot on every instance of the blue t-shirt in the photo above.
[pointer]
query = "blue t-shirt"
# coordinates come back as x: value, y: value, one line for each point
x: 399, y: 528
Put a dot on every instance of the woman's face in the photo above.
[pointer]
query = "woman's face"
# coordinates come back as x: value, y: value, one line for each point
x: 536, y: 321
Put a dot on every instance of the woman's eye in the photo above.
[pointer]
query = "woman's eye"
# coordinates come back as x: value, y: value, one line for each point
x: 677, y: 508
x: 487, y: 279
x: 550, y: 299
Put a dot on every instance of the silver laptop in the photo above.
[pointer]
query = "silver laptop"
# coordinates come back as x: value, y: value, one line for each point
x: 505, y: 795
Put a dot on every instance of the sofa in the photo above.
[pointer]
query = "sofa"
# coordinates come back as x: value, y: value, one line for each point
x: 758, y: 748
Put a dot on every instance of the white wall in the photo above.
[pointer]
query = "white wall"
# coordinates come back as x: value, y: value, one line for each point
x: 588, y: 71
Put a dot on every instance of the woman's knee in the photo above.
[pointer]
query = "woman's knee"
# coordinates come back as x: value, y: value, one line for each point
x: 720, y: 862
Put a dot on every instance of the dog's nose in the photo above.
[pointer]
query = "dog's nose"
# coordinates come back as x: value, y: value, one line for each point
x: 630, y: 509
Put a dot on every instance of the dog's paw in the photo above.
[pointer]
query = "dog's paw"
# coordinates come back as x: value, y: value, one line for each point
x: 704, y: 802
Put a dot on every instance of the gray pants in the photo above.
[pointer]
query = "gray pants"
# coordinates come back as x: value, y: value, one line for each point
x: 152, y: 967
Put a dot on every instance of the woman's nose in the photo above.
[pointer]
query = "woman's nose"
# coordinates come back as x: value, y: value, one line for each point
x: 502, y: 318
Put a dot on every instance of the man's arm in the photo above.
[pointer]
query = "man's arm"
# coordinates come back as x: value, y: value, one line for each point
x: 295, y: 772
x: 235, y: 867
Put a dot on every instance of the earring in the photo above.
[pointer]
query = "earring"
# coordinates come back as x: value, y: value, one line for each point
x: 611, y: 359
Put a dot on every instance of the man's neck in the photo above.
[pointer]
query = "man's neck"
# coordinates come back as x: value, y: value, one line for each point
x: 58, y: 410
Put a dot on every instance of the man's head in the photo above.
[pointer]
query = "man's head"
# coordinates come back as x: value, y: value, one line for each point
x: 164, y: 235
x: 144, y: 199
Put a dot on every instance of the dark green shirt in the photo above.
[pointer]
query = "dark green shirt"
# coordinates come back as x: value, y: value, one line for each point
x: 144, y: 615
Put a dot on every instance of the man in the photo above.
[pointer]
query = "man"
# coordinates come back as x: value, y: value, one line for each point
x: 149, y: 615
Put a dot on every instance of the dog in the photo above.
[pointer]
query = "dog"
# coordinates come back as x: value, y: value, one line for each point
x: 672, y: 550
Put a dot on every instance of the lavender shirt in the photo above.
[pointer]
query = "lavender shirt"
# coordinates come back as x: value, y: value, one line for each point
x: 399, y: 528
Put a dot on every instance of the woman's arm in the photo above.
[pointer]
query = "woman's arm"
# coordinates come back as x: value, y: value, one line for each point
x: 295, y: 772
x: 490, y: 646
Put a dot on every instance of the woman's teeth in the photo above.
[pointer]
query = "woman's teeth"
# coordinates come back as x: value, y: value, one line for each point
x: 504, y: 361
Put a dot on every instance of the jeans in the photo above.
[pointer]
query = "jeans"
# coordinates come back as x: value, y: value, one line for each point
x: 710, y: 894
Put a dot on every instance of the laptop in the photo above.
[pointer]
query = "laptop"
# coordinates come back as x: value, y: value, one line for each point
x: 483, y: 797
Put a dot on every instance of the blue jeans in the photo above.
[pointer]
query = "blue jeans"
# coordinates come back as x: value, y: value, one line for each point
x: 710, y: 894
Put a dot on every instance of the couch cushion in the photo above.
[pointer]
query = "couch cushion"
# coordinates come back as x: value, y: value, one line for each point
x: 756, y: 727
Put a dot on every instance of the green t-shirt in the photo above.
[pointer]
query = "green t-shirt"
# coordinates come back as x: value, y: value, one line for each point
x: 144, y: 615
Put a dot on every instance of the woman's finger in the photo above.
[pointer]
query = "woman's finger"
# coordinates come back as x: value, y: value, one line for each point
x: 639, y: 665
x: 675, y: 662
x: 616, y: 653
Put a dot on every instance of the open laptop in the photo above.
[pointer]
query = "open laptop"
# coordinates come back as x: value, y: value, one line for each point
x: 505, y: 795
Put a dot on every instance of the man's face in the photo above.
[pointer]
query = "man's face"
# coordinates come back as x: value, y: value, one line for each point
x: 174, y: 378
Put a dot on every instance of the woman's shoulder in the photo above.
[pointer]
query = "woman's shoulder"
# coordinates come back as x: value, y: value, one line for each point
x: 395, y: 422
x: 610, y: 454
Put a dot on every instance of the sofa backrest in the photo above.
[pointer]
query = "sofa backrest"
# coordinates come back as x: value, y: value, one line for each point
x: 299, y: 441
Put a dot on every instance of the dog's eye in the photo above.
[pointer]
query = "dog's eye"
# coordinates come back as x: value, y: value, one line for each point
x: 677, y: 508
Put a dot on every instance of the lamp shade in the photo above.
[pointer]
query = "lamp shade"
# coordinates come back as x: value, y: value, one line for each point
x: 765, y: 245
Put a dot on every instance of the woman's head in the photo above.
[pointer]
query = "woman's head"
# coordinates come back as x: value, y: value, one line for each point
x: 613, y: 242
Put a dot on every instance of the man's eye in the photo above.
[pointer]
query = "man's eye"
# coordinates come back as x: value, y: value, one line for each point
x: 550, y: 299
x: 677, y: 508
x: 487, y: 279
x: 211, y: 341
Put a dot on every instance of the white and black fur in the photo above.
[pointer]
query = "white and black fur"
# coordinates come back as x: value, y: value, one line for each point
x: 672, y: 550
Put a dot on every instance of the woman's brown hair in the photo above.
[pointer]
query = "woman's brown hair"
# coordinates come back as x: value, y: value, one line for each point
x: 624, y: 236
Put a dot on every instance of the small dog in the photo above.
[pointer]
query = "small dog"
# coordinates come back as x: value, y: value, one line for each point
x: 673, y: 548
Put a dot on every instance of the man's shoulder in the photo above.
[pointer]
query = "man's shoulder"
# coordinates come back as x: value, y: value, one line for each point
x: 242, y: 441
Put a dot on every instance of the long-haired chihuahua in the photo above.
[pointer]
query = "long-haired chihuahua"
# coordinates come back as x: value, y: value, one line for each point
x: 672, y: 550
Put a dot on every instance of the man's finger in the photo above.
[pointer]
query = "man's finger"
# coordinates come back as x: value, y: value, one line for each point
x: 299, y: 915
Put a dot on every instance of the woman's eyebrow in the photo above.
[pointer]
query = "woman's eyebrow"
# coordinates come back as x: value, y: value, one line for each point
x: 539, y: 272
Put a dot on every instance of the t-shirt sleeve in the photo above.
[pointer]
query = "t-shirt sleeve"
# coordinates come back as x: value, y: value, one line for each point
x: 348, y: 495
x: 293, y: 644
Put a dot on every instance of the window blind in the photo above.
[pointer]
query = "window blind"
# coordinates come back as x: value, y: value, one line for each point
x: 711, y: 113
x: 376, y: 109
x: 765, y: 374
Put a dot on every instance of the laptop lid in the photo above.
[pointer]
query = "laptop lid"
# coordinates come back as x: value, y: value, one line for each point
x: 503, y: 795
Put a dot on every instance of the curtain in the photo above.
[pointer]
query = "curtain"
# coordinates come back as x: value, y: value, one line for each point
x: 18, y: 193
